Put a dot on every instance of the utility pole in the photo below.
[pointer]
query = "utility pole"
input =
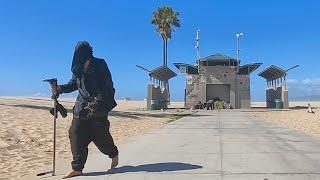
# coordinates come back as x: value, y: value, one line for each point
x: 198, y: 49
x: 238, y: 36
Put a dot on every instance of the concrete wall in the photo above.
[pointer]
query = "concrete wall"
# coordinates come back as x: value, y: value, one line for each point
x: 243, y: 100
x: 239, y: 85
x: 158, y: 95
x: 273, y: 93
x: 192, y: 90
x: 285, y: 98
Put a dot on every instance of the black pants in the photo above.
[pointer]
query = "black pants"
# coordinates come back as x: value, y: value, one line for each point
x: 210, y: 106
x: 82, y: 132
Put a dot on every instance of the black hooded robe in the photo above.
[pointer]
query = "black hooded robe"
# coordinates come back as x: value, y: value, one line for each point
x: 96, y: 91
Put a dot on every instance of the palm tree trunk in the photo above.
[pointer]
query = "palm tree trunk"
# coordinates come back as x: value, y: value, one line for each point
x: 164, y: 51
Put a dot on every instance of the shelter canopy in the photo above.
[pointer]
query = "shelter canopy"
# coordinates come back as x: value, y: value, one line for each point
x: 272, y: 73
x: 162, y: 73
x: 248, y: 68
x: 186, y: 68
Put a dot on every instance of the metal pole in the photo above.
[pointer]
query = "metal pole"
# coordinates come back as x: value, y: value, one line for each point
x: 54, y: 136
x: 55, y: 115
x: 53, y: 83
x: 285, y: 82
x: 238, y: 36
x: 198, y: 49
x: 238, y: 49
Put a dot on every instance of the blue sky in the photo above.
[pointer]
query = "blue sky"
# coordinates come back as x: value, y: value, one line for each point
x: 38, y: 39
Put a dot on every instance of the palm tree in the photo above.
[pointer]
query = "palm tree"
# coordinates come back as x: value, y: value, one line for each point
x: 166, y: 20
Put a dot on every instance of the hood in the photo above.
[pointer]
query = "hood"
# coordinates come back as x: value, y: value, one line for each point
x: 82, y: 53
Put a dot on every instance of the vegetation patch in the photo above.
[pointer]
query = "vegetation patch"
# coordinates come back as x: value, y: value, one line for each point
x: 175, y: 117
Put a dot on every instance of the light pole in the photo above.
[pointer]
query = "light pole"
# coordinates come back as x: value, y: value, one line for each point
x: 238, y: 36
x: 198, y: 49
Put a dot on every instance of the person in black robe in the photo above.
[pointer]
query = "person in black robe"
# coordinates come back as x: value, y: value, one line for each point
x: 92, y: 78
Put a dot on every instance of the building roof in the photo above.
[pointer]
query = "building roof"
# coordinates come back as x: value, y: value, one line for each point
x: 273, y: 72
x: 162, y: 73
x: 219, y: 59
x: 248, y: 68
x: 186, y: 68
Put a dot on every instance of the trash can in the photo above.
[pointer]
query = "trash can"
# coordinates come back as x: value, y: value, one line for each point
x: 279, y: 104
x: 154, y: 105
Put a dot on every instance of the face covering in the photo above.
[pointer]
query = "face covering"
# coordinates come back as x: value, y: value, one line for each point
x: 82, y: 53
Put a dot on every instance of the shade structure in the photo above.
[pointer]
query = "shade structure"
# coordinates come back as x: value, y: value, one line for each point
x: 248, y: 68
x: 186, y: 68
x: 273, y: 72
x: 143, y: 69
x: 162, y: 73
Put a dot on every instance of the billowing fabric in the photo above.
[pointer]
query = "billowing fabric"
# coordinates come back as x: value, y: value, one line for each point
x: 94, y: 85
x: 90, y: 113
x: 82, y: 133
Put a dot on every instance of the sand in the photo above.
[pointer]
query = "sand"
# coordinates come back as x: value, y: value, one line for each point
x: 26, y: 128
x: 296, y: 117
x: 26, y: 131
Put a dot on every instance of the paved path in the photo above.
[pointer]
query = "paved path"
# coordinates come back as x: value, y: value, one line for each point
x: 214, y: 145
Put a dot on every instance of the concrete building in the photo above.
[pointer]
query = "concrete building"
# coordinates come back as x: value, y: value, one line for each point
x: 218, y: 76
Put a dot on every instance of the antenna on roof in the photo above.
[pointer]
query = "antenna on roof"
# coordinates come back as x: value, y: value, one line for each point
x: 198, y: 48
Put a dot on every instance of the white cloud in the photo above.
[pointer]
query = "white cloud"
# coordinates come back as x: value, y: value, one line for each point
x: 314, y: 82
x: 308, y: 86
x: 306, y: 81
x: 292, y: 81
x: 40, y: 94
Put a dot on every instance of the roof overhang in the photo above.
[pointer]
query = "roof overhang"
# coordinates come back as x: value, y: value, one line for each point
x: 273, y: 72
x: 186, y: 68
x: 162, y: 73
x: 143, y: 69
x: 248, y: 68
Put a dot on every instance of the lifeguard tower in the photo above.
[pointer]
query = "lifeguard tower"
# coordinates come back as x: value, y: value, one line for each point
x: 276, y: 91
x: 158, y: 91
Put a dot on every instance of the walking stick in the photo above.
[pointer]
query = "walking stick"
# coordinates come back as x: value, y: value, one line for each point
x: 54, y: 135
x: 53, y: 82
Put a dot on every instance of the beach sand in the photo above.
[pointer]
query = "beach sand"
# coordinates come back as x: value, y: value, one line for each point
x: 26, y: 128
x: 26, y: 132
x: 296, y: 117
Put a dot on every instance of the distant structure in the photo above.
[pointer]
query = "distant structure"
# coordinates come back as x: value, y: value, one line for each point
x: 218, y: 76
x: 158, y: 93
x: 276, y: 91
x: 126, y: 99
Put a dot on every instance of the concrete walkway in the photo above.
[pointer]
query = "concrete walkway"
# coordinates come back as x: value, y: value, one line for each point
x: 212, y: 145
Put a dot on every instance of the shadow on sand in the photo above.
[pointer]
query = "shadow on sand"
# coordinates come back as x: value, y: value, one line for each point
x: 125, y: 114
x: 299, y: 107
x: 28, y: 106
x: 157, y: 167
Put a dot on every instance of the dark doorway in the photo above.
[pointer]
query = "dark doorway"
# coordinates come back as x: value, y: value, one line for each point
x: 221, y: 91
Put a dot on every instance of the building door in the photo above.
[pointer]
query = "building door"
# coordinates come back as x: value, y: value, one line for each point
x: 221, y: 91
